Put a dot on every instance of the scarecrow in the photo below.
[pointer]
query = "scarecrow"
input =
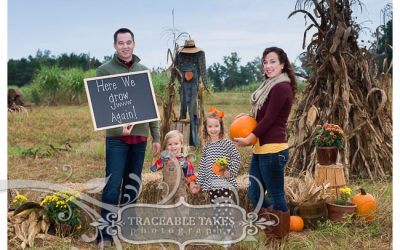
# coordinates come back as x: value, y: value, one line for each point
x: 191, y: 64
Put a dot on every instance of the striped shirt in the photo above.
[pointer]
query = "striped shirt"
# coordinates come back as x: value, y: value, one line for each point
x: 211, y: 152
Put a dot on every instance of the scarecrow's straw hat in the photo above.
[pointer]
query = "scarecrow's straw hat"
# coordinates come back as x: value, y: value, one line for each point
x: 189, y: 47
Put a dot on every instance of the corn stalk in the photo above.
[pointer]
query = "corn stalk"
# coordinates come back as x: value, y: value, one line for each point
x: 342, y: 89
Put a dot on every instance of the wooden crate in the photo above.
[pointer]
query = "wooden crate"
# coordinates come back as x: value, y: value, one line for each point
x: 334, y: 174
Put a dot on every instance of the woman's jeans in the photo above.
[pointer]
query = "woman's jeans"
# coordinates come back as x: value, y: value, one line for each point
x: 269, y: 169
x: 124, y: 164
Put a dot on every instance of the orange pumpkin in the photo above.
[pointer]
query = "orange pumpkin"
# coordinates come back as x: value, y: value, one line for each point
x: 242, y: 127
x: 366, y: 205
x: 296, y: 223
x: 217, y: 169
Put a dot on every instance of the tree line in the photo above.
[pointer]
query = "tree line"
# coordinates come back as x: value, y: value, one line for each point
x: 231, y: 74
x: 22, y: 71
x: 224, y: 76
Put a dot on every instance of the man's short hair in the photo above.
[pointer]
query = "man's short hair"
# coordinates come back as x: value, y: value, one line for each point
x: 123, y: 30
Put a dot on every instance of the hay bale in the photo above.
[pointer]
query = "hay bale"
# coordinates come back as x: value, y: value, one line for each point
x: 151, y: 194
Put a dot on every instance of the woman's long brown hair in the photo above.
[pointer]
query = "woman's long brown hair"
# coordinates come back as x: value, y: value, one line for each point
x: 283, y: 59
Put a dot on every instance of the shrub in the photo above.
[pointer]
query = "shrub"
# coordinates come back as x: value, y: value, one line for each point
x: 160, y: 81
x: 48, y: 81
x: 72, y: 82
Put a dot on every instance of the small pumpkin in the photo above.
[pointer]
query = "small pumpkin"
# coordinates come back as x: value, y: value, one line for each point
x: 242, y: 127
x: 217, y: 169
x: 296, y: 223
x: 366, y: 205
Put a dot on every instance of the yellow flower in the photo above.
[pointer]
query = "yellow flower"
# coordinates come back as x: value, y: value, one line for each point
x: 345, y: 195
x: 21, y: 198
x: 222, y: 161
x: 47, y: 200
x: 347, y: 191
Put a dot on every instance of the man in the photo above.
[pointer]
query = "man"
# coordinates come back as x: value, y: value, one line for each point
x: 126, y: 145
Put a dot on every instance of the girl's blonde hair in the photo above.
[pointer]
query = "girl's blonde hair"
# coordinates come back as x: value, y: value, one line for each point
x: 171, y: 134
x: 213, y: 115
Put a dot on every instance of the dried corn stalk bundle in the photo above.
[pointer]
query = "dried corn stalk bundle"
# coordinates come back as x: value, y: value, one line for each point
x: 26, y: 225
x: 305, y: 189
x: 342, y: 89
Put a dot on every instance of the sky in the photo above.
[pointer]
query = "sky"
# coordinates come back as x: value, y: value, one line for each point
x: 219, y: 27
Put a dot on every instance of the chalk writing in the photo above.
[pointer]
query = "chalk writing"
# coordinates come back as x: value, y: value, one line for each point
x: 123, y: 116
x: 127, y: 82
x: 105, y: 86
x: 119, y: 100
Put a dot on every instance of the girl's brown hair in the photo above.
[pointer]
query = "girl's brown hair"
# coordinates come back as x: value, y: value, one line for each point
x: 213, y: 115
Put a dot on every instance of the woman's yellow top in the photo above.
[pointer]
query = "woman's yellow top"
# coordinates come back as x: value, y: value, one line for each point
x: 269, y: 148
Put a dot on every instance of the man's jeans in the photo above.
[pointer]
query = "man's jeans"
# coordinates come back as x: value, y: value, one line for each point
x: 269, y: 169
x: 124, y: 164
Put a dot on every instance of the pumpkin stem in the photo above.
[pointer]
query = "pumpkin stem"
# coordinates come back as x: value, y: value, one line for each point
x: 296, y: 211
x: 363, y: 191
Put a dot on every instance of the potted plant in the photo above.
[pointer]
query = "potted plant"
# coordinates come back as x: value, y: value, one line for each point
x: 63, y: 212
x: 339, y: 207
x: 328, y: 138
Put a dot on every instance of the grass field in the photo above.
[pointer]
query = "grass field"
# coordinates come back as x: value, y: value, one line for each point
x: 44, y: 140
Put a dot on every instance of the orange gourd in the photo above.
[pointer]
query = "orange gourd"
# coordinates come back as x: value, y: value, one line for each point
x: 296, y: 223
x: 217, y: 169
x: 366, y: 205
x: 242, y: 127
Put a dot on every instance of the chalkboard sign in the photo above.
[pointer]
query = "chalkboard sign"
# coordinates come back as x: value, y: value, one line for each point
x: 115, y: 100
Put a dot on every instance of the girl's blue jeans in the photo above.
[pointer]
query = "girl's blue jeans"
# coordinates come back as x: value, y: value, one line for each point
x: 269, y: 169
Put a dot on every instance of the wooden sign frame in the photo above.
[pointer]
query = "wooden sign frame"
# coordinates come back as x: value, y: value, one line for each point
x: 111, y: 86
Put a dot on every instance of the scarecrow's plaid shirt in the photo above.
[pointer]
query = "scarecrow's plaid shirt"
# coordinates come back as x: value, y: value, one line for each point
x: 202, y: 64
x: 199, y: 59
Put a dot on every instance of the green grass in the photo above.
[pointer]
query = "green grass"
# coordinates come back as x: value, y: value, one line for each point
x: 229, y: 100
